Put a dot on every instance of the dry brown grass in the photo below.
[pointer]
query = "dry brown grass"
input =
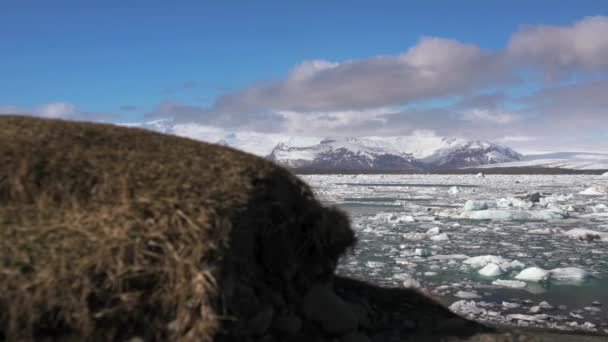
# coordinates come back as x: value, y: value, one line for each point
x: 109, y: 232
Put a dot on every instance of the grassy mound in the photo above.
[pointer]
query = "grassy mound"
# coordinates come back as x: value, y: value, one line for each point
x: 110, y: 232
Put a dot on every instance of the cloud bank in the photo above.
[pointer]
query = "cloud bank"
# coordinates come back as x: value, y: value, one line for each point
x: 546, y: 87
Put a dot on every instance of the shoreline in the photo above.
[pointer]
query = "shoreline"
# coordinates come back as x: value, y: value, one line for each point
x: 471, y: 171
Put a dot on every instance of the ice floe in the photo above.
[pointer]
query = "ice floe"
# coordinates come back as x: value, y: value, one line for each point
x: 512, y: 202
x: 595, y: 190
x: 567, y: 274
x: 440, y: 237
x: 472, y: 205
x: 421, y: 252
x: 509, y: 283
x: 523, y: 215
x: 491, y: 270
x: 587, y: 234
x: 481, y: 261
x: 467, y: 295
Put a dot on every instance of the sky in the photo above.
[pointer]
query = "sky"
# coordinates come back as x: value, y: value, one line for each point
x: 529, y: 74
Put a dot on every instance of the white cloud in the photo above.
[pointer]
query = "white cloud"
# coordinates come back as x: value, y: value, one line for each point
x: 433, y: 67
x: 57, y: 110
x: 515, y: 138
x: 581, y: 45
x: 495, y: 116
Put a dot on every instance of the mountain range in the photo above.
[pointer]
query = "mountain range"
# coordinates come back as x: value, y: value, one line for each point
x: 393, y: 153
x: 419, y: 151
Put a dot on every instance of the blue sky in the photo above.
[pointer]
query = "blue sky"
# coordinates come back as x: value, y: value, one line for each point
x: 123, y: 59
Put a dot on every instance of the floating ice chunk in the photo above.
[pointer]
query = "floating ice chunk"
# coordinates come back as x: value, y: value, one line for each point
x: 570, y: 274
x: 575, y: 315
x: 586, y: 234
x: 472, y: 205
x: 374, y: 264
x: 414, y: 236
x: 467, y: 295
x: 393, y: 218
x: 545, y: 231
x: 467, y: 307
x: 480, y: 175
x: 529, y: 318
x: 513, y: 203
x: 509, y: 283
x: 421, y: 252
x: 440, y: 237
x: 491, y: 270
x: 541, y: 306
x: 433, y: 231
x: 454, y: 190
x: 430, y: 274
x: 449, y: 257
x: 605, y: 174
x: 588, y: 325
x: 530, y: 197
x: 533, y: 274
x: 596, y: 190
x: 412, y: 283
x: 482, y: 261
x: 402, y: 276
x: 567, y: 274
x: 498, y: 214
x: 408, y: 280
x: 508, y: 305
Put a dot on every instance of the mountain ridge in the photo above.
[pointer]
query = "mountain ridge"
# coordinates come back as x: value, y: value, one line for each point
x: 388, y: 154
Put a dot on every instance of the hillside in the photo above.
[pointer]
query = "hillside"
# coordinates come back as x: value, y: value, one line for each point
x: 112, y: 233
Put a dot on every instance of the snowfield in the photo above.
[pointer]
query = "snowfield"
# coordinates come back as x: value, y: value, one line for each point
x: 497, y: 248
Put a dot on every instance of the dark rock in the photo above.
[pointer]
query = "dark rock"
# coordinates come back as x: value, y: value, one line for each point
x: 260, y: 323
x: 322, y: 305
x: 354, y: 337
x: 288, y: 325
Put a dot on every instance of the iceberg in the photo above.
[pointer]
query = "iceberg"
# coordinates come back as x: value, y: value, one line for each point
x: 454, y: 190
x: 472, y: 205
x: 440, y: 237
x: 522, y: 215
x: 587, y: 234
x: 467, y: 307
x: 513, y: 203
x: 509, y: 283
x: 570, y: 274
x: 533, y: 274
x: 491, y: 270
x: 483, y: 261
x: 467, y: 295
x: 595, y: 190
x: 433, y: 231
x: 566, y: 274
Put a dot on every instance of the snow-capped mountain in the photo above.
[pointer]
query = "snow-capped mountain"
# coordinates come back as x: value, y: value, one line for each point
x: 458, y: 153
x: 421, y: 150
x: 343, y: 153
x: 410, y: 152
